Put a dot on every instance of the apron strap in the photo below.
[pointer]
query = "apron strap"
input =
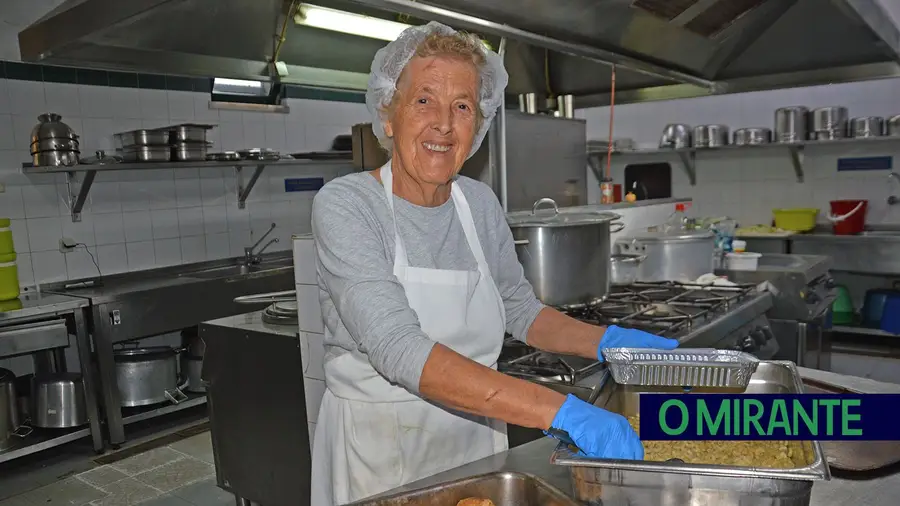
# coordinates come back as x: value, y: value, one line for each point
x: 463, y: 211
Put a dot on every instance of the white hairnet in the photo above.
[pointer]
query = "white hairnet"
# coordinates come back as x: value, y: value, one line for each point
x: 390, y: 61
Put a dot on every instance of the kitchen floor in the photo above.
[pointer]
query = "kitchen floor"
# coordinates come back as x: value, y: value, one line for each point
x: 177, y: 472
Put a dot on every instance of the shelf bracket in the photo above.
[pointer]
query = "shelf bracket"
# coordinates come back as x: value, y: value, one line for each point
x: 797, y: 161
x: 244, y: 191
x: 687, y: 161
x: 79, y: 197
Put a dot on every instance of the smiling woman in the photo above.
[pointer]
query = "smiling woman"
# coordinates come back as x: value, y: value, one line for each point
x: 419, y: 282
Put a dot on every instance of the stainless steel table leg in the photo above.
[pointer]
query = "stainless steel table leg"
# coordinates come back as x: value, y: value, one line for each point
x: 106, y: 362
x: 240, y: 501
x: 83, y: 344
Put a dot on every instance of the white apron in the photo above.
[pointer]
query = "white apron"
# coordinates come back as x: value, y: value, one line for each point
x: 373, y: 436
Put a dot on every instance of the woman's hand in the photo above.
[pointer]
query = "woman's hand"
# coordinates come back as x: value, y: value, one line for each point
x: 598, y: 433
x: 618, y: 337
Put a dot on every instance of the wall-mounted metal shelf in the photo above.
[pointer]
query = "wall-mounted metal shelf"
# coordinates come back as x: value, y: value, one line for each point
x: 796, y: 150
x: 78, y: 191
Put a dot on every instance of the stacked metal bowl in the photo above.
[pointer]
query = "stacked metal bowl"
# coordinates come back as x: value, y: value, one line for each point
x: 53, y: 143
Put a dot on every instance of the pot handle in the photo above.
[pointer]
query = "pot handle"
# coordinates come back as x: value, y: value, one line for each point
x: 520, y: 242
x: 176, y: 395
x: 545, y: 200
x: 832, y: 218
x: 22, y: 431
x: 616, y: 227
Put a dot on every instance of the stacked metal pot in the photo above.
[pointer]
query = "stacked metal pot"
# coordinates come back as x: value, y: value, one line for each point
x: 54, y: 143
x: 183, y: 143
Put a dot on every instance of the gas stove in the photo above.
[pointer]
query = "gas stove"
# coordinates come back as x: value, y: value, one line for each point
x: 699, y: 316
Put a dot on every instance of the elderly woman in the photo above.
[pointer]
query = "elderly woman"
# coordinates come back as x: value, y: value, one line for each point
x: 419, y: 282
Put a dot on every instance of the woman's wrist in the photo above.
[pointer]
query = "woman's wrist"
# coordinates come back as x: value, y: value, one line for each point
x: 551, y: 408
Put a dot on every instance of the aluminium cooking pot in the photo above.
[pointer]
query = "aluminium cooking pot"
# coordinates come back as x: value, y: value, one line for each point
x: 10, y: 419
x: 565, y: 256
x: 147, y: 375
x: 681, y: 256
x: 58, y: 401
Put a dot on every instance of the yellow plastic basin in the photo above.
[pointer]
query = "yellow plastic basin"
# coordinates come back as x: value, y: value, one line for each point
x: 795, y: 220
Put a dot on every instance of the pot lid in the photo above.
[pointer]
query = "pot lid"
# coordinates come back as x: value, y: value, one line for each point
x: 678, y: 236
x: 147, y: 350
x: 551, y: 217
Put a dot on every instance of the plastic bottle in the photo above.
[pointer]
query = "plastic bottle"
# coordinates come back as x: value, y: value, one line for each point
x: 675, y: 222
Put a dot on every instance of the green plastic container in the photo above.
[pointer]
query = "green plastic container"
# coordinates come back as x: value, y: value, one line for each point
x: 6, y: 237
x: 842, y: 307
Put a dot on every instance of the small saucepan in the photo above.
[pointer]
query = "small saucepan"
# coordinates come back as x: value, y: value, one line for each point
x: 624, y: 268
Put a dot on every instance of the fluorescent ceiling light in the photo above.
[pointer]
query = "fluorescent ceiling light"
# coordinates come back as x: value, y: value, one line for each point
x: 346, y: 22
x: 228, y: 86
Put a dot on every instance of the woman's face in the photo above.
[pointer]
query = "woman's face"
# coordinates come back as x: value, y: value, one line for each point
x: 434, y: 120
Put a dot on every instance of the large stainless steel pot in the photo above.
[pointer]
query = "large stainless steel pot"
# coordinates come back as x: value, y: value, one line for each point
x: 57, y: 401
x: 682, y: 256
x: 147, y: 375
x: 10, y: 420
x: 192, y: 367
x: 565, y: 255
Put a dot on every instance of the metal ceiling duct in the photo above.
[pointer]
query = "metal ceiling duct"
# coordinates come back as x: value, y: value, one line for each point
x: 662, y: 48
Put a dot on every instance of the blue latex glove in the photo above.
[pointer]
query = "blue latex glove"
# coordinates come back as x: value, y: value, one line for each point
x: 618, y: 337
x: 598, y: 433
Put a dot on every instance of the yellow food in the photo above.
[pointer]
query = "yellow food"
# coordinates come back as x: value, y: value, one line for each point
x: 762, y: 454
x: 630, y: 197
x: 475, y: 501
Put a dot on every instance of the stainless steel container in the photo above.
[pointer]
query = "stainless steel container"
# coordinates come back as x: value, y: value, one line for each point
x: 893, y: 126
x: 710, y: 136
x: 192, y: 367
x: 675, y: 136
x: 565, y: 105
x: 682, y: 256
x: 147, y: 375
x: 147, y: 154
x: 791, y: 124
x: 189, y: 151
x: 868, y: 126
x: 565, y: 255
x: 144, y: 137
x: 10, y: 419
x: 187, y: 133
x: 829, y: 122
x: 55, y: 144
x: 752, y: 136
x: 55, y: 158
x: 57, y: 401
x: 50, y: 126
x: 651, y: 483
x: 624, y: 269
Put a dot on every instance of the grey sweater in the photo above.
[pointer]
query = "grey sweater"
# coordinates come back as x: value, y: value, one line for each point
x: 364, y: 306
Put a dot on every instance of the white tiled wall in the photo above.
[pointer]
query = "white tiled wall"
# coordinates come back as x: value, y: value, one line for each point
x: 309, y: 319
x: 748, y: 186
x: 143, y: 219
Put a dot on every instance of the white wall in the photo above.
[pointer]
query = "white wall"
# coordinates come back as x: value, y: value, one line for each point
x: 143, y: 219
x: 748, y: 185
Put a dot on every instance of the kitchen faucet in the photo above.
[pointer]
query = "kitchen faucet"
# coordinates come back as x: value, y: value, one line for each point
x: 892, y: 200
x: 253, y: 258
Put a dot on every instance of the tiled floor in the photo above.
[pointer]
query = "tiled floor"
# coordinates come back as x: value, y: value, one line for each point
x: 179, y: 474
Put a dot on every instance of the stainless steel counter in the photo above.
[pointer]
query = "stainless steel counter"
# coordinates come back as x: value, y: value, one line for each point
x: 141, y: 304
x: 35, y: 304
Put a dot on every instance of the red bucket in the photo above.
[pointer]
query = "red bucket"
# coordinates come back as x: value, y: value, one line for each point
x: 848, y: 217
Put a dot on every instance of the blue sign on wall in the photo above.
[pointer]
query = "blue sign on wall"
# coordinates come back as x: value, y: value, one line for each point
x: 866, y: 163
x: 303, y: 184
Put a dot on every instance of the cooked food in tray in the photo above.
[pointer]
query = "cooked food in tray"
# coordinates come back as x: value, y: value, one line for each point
x: 761, y: 454
x: 475, y: 501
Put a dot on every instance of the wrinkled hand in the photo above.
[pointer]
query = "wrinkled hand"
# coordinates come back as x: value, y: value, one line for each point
x: 598, y: 433
x: 618, y: 337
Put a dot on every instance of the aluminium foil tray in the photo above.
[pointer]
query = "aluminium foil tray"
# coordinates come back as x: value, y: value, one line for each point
x: 688, y: 367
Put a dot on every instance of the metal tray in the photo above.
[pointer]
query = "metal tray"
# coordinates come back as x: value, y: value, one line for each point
x: 639, y: 483
x: 690, y: 367
x: 503, y: 488
x: 854, y: 455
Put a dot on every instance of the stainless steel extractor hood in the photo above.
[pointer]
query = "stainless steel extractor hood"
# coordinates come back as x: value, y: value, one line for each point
x: 661, y: 48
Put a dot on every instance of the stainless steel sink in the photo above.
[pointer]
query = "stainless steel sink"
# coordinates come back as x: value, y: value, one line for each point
x: 881, y: 233
x: 228, y: 271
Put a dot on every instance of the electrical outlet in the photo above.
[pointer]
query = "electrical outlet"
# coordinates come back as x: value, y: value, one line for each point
x: 66, y: 244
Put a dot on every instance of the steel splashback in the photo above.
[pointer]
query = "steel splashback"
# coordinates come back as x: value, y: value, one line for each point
x: 663, y: 49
